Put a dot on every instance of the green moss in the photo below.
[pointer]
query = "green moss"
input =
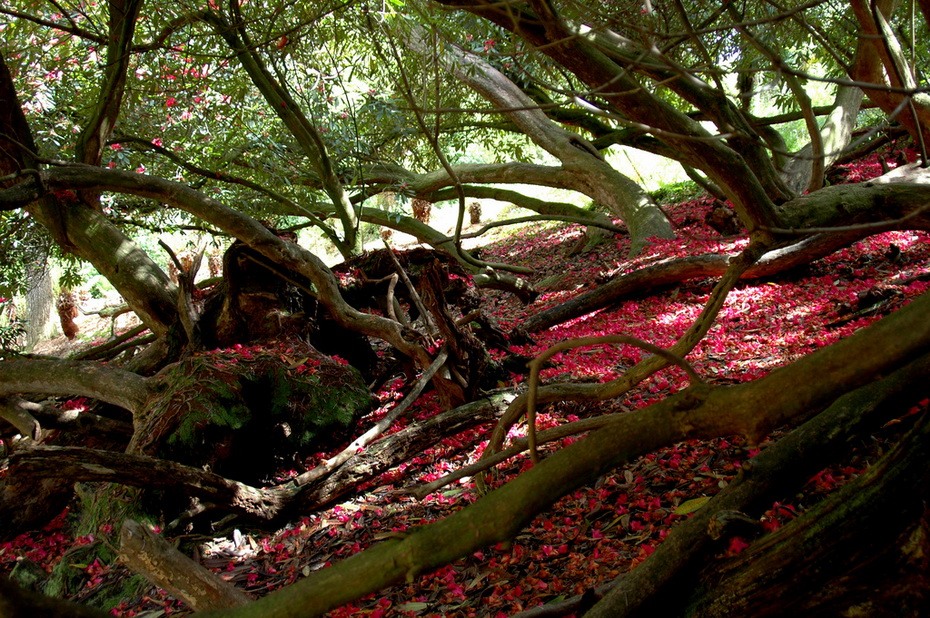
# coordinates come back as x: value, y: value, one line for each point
x: 246, y: 412
x: 103, y: 507
x: 676, y: 192
x: 70, y: 577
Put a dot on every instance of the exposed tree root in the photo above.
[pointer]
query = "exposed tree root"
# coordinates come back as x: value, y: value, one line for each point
x: 696, y: 412
x: 152, y: 556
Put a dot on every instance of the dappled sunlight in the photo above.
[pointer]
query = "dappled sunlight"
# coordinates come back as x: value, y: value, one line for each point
x: 283, y: 417
x: 762, y: 325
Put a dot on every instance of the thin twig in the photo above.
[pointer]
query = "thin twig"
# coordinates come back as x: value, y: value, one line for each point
x: 414, y: 296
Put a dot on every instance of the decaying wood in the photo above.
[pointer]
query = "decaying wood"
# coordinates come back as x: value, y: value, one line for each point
x: 398, y: 447
x: 154, y: 558
x: 36, y: 464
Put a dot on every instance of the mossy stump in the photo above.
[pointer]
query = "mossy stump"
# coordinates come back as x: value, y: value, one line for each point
x: 245, y: 412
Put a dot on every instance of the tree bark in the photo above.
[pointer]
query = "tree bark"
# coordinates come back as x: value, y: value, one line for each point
x: 40, y: 305
x: 835, y: 135
x: 74, y: 378
x: 153, y: 557
x: 583, y: 167
x: 122, y: 17
x: 779, y: 470
x: 864, y: 548
x: 878, y: 206
x: 287, y: 255
x: 884, y: 65
x: 749, y: 186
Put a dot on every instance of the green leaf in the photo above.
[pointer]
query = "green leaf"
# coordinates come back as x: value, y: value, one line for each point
x: 413, y: 606
x: 690, y: 506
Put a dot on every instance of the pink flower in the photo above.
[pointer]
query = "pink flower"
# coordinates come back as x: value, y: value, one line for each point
x: 737, y: 545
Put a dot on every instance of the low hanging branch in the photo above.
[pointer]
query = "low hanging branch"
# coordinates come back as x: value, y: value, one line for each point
x: 75, y: 378
x: 673, y: 271
x: 117, y: 344
x: 637, y: 373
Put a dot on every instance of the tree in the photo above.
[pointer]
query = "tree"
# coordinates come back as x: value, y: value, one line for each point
x: 245, y: 121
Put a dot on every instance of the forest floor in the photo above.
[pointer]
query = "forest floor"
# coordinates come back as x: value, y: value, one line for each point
x: 597, y: 533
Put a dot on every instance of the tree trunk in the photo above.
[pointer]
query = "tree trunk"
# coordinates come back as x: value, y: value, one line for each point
x: 586, y: 169
x: 835, y: 135
x: 301, y: 128
x: 40, y: 305
x: 138, y: 279
x: 742, y: 171
x: 882, y: 63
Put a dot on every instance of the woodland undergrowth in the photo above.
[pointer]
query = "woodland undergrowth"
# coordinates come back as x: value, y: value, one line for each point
x: 599, y: 532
